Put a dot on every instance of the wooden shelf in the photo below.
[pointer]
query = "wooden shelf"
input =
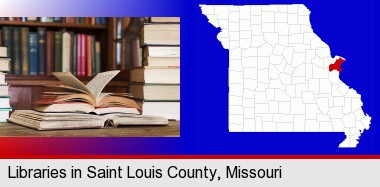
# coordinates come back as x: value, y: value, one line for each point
x: 55, y: 25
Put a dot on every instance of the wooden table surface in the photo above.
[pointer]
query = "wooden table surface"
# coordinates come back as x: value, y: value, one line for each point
x: 172, y: 130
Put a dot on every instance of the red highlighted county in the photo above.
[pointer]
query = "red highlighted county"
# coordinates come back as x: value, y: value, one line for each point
x: 337, y: 64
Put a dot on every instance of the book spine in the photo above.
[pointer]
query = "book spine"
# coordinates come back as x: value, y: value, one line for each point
x: 70, y: 19
x: 79, y: 54
x: 33, y: 53
x: 58, y: 19
x: 92, y: 20
x: 1, y: 37
x: 25, y: 50
x: 74, y: 54
x: 83, y: 54
x: 93, y: 64
x: 7, y: 39
x: 58, y: 51
x: 98, y: 57
x: 49, y: 52
x: 98, y: 20
x: 88, y: 55
x: 66, y: 39
x: 16, y: 43
x: 41, y: 50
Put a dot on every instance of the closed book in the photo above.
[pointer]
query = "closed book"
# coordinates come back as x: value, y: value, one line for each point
x: 98, y: 20
x: 49, y: 52
x: 25, y: 50
x: 74, y: 53
x: 155, y: 92
x: 4, y: 90
x: 58, y: 19
x: 83, y: 55
x: 162, y: 61
x: 31, y: 18
x: 88, y: 56
x: 16, y: 43
x: 104, y: 20
x: 160, y: 34
x: 165, y: 19
x: 58, y: 51
x: 161, y: 51
x: 98, y: 57
x: 7, y: 41
x: 41, y: 31
x: 47, y: 19
x: 5, y: 64
x: 66, y: 51
x: 169, y: 110
x: 160, y: 75
x: 4, y: 101
x: 2, y: 77
x: 93, y: 63
x: 33, y: 53
x: 70, y: 19
x: 1, y: 38
x: 79, y: 55
x: 4, y: 114
x: 4, y: 52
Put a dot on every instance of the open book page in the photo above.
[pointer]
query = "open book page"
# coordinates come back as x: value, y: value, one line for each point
x: 69, y: 79
x: 97, y: 84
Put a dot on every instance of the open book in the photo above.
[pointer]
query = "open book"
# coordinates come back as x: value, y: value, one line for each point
x: 57, y: 121
x: 86, y: 98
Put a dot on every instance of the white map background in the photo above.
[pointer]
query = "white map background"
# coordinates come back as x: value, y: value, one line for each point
x: 279, y: 78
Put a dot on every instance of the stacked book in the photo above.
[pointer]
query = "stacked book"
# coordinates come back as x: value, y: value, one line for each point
x: 5, y: 108
x: 41, y: 51
x: 156, y: 85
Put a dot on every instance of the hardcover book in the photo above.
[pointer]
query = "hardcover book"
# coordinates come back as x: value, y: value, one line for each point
x: 41, y: 31
x: 56, y: 121
x: 85, y: 98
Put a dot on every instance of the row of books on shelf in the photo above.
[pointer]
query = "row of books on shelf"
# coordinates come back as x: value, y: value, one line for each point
x: 5, y: 108
x: 156, y: 84
x: 77, y: 20
x: 42, y: 52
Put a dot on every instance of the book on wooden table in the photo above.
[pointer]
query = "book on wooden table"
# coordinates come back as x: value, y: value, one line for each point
x: 57, y: 121
x: 89, y: 98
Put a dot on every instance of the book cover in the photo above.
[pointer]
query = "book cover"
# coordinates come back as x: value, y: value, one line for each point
x: 74, y: 53
x: 7, y: 39
x: 83, y: 52
x: 16, y: 43
x: 58, y: 51
x: 25, y: 50
x: 79, y: 55
x: 88, y: 56
x: 66, y: 51
x: 41, y: 31
x: 153, y: 34
x: 98, y: 57
x: 33, y: 53
x: 49, y: 52
x: 93, y: 63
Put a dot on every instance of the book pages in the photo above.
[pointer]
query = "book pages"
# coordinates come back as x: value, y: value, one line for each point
x: 69, y: 79
x: 97, y: 84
